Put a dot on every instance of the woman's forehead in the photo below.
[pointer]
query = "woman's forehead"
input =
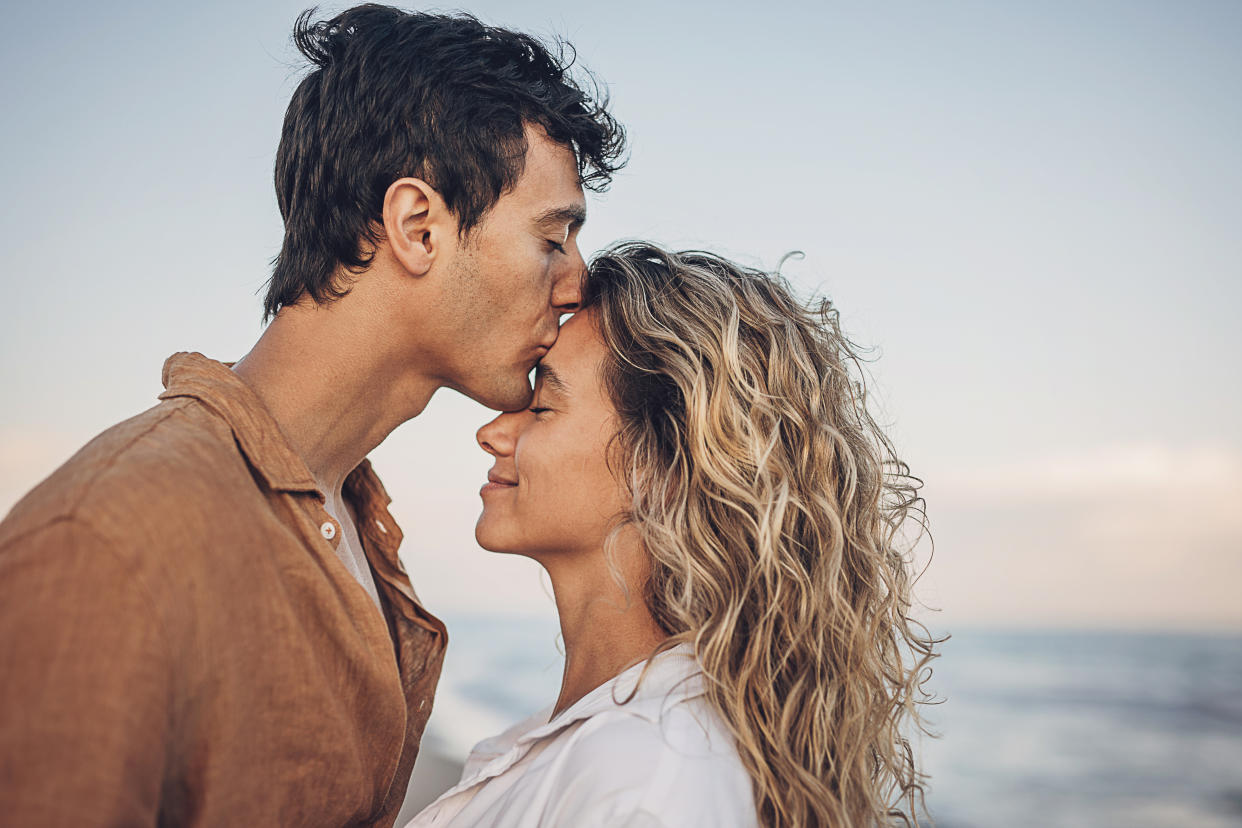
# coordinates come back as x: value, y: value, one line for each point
x: 572, y: 363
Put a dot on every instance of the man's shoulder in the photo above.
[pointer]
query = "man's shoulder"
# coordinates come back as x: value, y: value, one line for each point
x: 150, y: 467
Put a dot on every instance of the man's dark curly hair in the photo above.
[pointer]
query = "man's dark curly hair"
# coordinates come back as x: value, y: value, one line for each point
x: 439, y: 97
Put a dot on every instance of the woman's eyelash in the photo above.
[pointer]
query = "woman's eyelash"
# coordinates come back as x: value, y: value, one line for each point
x: 537, y: 410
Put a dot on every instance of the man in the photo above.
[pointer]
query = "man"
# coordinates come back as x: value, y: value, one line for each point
x: 203, y: 619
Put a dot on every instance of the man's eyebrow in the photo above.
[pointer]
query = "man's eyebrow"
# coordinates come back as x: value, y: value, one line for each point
x: 548, y: 374
x: 574, y: 215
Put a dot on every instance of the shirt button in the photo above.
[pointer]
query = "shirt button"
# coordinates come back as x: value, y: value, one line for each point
x: 328, y: 530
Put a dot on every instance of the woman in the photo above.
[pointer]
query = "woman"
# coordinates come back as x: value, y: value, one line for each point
x: 718, y: 514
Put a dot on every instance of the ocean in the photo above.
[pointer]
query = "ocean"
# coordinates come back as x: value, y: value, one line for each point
x: 1036, y: 728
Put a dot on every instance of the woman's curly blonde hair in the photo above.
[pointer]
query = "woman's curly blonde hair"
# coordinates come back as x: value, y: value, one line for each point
x: 772, y: 507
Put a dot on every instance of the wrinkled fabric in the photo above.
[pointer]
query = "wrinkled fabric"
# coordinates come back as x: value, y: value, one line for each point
x: 180, y: 644
x: 643, y: 750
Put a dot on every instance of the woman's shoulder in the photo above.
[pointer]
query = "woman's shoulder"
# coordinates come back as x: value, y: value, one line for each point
x: 686, y: 728
x: 677, y: 762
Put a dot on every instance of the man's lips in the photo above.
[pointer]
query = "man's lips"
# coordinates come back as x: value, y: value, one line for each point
x: 537, y: 353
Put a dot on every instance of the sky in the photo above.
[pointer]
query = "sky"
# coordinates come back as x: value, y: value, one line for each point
x: 1030, y: 211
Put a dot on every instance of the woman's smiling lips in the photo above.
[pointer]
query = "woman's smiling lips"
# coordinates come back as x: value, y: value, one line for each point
x: 496, y: 483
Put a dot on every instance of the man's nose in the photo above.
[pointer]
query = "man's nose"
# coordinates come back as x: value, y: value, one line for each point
x: 567, y: 290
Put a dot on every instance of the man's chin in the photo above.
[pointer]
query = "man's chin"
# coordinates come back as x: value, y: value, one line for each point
x: 513, y: 399
x: 513, y: 396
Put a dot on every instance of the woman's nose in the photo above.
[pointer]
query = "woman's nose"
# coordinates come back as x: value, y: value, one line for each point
x: 498, y: 437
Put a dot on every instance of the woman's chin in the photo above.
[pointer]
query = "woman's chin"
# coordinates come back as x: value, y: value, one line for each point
x: 493, y: 541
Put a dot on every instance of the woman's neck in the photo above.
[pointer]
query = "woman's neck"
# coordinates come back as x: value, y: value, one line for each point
x: 605, y: 627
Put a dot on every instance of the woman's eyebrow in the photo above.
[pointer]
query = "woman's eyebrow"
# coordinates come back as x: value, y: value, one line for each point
x: 548, y: 374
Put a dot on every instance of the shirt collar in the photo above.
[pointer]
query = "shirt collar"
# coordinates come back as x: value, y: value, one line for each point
x: 647, y: 689
x: 215, y: 385
x: 671, y: 677
x: 377, y: 528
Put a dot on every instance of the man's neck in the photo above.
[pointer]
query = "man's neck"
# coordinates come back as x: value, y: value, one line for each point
x: 333, y: 387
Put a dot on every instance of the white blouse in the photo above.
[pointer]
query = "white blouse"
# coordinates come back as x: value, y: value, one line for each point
x: 664, y: 759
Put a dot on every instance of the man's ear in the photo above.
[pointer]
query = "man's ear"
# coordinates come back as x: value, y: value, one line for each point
x: 417, y: 224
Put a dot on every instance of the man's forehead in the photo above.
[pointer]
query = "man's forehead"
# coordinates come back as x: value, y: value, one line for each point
x: 550, y: 171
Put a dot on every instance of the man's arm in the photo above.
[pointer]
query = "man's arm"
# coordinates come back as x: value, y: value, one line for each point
x: 84, y: 684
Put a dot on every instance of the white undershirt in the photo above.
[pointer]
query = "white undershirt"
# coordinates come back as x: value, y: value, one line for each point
x: 665, y: 759
x: 349, y: 550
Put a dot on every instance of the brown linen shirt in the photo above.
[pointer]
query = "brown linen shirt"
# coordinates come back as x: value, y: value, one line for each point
x: 179, y: 643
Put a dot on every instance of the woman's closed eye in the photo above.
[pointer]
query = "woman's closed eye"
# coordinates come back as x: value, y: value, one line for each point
x: 536, y: 410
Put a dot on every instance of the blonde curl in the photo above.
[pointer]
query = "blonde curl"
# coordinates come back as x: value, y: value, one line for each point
x: 774, y: 510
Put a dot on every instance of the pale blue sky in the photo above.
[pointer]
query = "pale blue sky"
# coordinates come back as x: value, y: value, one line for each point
x: 1032, y: 210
